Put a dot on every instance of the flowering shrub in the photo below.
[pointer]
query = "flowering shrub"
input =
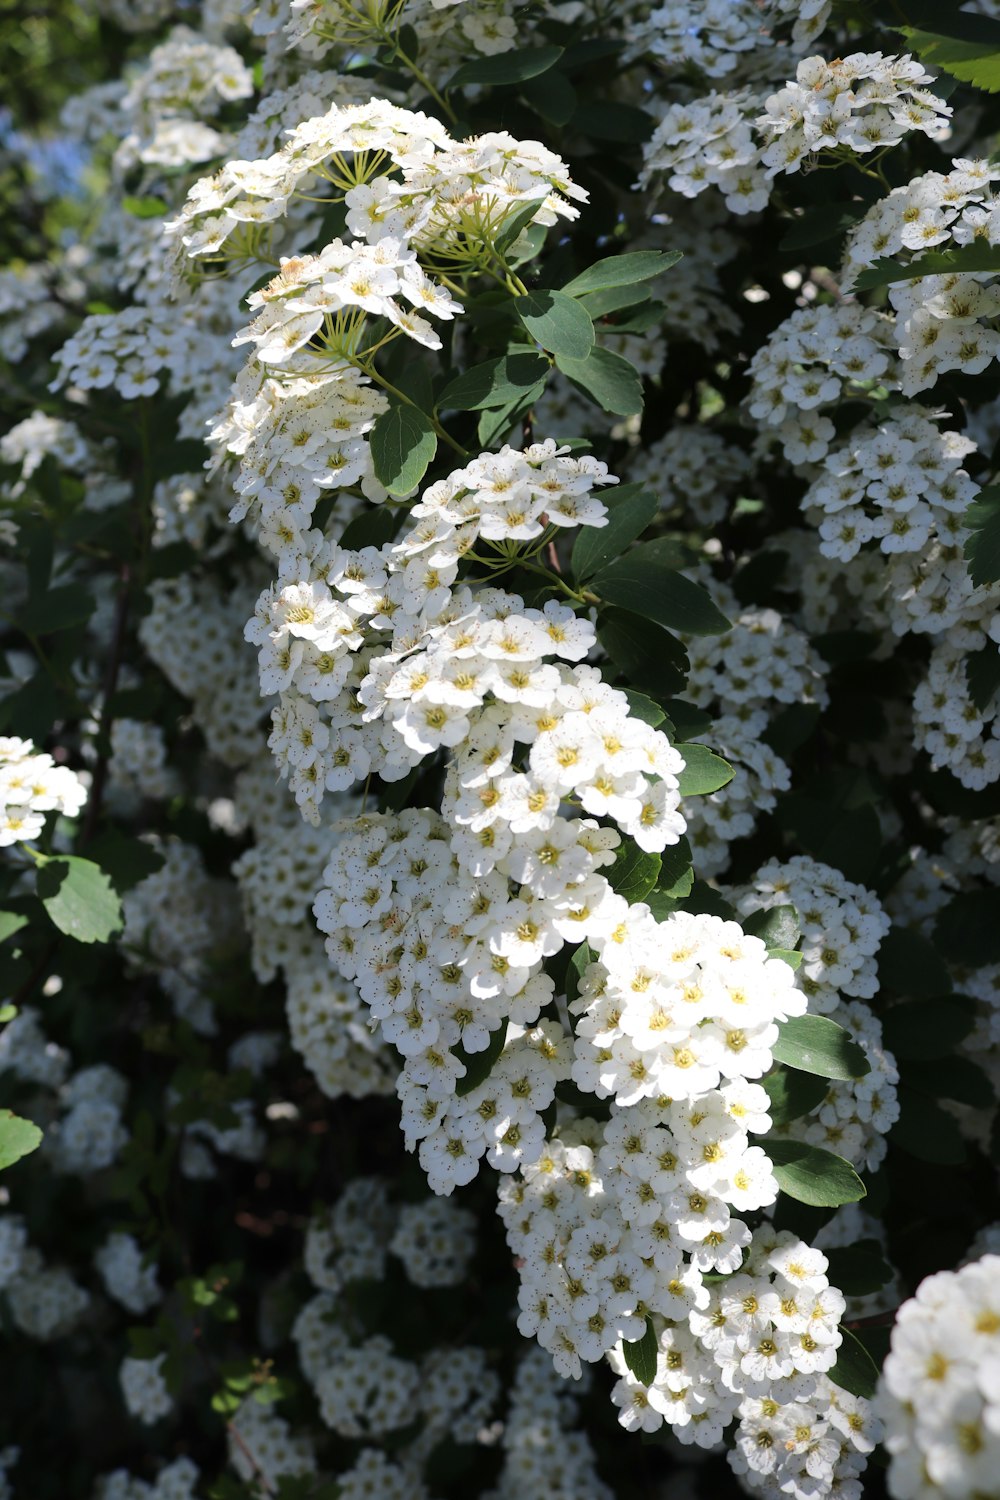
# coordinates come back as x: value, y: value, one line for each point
x: 499, y: 750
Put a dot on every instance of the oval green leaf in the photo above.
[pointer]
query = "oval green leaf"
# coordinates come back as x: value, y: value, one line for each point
x: 631, y: 508
x: 79, y: 898
x: 403, y: 442
x: 640, y: 1355
x: 703, y: 772
x: 812, y: 1175
x: 17, y: 1138
x: 607, y: 379
x: 647, y: 587
x: 622, y: 270
x: 815, y: 1044
x: 557, y: 322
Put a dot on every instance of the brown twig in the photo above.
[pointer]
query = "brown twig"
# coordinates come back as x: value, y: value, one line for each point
x: 248, y: 1454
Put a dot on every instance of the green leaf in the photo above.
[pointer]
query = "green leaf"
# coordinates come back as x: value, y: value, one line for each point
x: 978, y: 255
x: 790, y: 728
x: 493, y: 425
x: 788, y: 956
x: 515, y: 224
x: 982, y: 546
x: 953, y: 1077
x: 146, y: 207
x: 848, y: 837
x: 927, y: 1131
x: 971, y: 60
x: 479, y: 1065
x: 909, y: 964
x: 982, y: 675
x: 552, y: 96
x: 704, y: 898
x: 494, y: 383
x: 631, y: 507
x: 125, y: 860
x: 641, y: 707
x: 11, y: 922
x: 634, y: 872
x: 64, y: 608
x: 812, y: 1175
x: 403, y: 442
x: 17, y: 1138
x: 967, y: 930
x: 703, y: 771
x: 611, y: 121
x: 79, y: 898
x: 815, y: 1044
x: 622, y: 270
x: 926, y: 1029
x: 640, y: 1354
x: 777, y: 925
x: 557, y: 322
x: 793, y: 1094
x: 581, y: 958
x: 676, y: 877
x: 647, y: 655
x: 859, y: 1269
x: 372, y: 528
x: 506, y: 67
x: 689, y: 722
x: 855, y: 1370
x: 821, y: 222
x: 630, y: 301
x: 642, y: 584
x: 607, y: 378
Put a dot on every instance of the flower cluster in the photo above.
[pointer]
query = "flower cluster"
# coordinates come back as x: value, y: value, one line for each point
x: 900, y: 482
x: 32, y: 786
x: 938, y: 1392
x: 739, y: 141
x: 450, y: 199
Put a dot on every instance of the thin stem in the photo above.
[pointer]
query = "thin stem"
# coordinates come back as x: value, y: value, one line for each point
x: 422, y: 78
x: 394, y: 390
x: 249, y: 1455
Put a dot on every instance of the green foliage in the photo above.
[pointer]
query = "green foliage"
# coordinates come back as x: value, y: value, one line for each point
x: 926, y: 1028
x: 704, y: 772
x: 17, y: 1138
x: 909, y: 964
x: 403, y: 442
x: 606, y: 378
x: 982, y: 546
x: 855, y: 1370
x: 815, y: 1044
x: 777, y: 926
x: 640, y: 582
x: 557, y: 322
x: 927, y: 1131
x: 634, y: 872
x: 641, y: 1354
x: 966, y: 46
x: 506, y: 67
x: 859, y: 1269
x: 622, y: 270
x: 793, y: 1094
x: 79, y: 898
x: 479, y: 1065
x: 496, y: 383
x: 959, y: 260
x: 631, y: 508
x: 814, y: 1176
